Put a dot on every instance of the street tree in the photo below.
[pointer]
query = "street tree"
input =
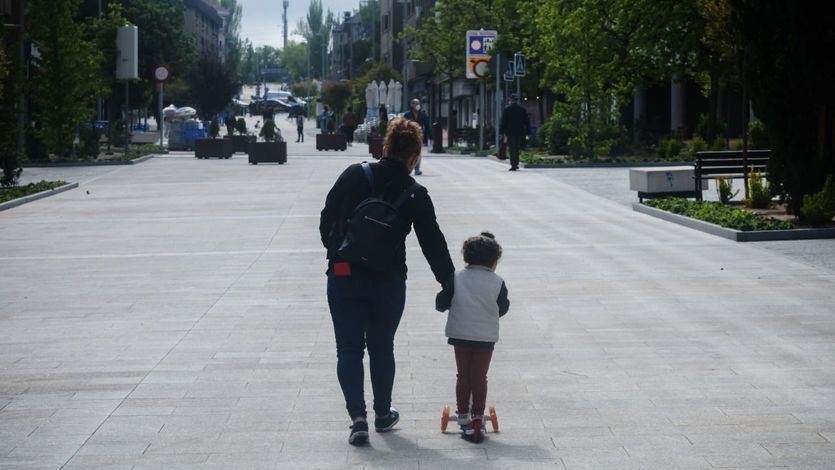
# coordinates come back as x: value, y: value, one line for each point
x: 785, y: 50
x: 65, y: 82
x: 293, y: 57
x: 440, y: 39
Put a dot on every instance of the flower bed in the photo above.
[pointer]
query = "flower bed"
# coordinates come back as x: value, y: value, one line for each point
x: 719, y: 214
x: 15, y: 192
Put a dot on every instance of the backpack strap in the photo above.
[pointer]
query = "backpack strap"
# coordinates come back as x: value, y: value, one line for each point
x: 366, y: 168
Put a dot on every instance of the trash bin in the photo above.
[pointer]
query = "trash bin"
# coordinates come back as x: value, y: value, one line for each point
x: 437, y: 138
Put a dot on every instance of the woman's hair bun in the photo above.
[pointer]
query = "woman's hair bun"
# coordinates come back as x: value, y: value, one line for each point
x: 488, y: 235
x: 403, y: 139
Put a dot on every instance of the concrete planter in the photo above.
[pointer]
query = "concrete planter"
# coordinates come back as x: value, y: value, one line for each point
x: 737, y: 235
x: 375, y: 147
x: 268, y: 152
x: 240, y: 143
x: 213, y: 148
x: 331, y: 142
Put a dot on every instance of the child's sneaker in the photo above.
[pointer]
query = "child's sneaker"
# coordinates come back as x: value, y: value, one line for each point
x: 359, y: 433
x: 463, y: 419
x: 477, y: 430
x: 387, y: 423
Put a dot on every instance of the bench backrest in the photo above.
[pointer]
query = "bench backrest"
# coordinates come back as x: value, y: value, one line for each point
x: 730, y: 162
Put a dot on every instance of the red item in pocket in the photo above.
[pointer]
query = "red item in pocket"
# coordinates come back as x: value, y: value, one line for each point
x: 341, y: 269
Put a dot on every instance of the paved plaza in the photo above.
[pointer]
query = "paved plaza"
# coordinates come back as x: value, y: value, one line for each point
x: 172, y: 315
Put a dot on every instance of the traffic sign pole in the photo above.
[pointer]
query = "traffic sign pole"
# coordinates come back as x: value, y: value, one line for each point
x: 161, y: 119
x: 496, y: 100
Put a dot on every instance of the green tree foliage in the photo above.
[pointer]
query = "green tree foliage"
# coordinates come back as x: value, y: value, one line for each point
x: 66, y: 81
x: 336, y: 95
x: 213, y: 86
x: 293, y: 58
x: 785, y: 50
x: 314, y: 27
x: 8, y: 117
x: 162, y: 40
x: 440, y: 40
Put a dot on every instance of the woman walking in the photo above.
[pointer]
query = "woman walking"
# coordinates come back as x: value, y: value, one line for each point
x: 368, y: 214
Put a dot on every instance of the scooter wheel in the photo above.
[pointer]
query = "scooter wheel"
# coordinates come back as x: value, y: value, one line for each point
x: 444, y: 418
x: 494, y: 419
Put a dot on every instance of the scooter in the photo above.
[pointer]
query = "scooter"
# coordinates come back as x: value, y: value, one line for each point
x: 446, y: 417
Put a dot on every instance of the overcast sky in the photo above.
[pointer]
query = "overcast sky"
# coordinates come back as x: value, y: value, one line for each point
x: 261, y: 21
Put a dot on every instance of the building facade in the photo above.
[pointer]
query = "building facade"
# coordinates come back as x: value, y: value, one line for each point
x: 205, y: 20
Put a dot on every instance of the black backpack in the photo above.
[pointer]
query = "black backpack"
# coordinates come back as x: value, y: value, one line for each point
x: 375, y: 229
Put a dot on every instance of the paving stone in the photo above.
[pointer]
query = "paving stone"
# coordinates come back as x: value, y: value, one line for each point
x: 193, y: 331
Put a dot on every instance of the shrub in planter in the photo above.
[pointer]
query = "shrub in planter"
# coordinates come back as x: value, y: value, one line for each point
x: 725, y: 189
x: 759, y: 191
x: 240, y: 126
x: 674, y: 148
x: 696, y: 145
x: 270, y: 132
x: 819, y: 208
x: 214, y: 129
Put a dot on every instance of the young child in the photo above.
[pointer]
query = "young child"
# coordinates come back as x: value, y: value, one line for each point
x: 476, y: 297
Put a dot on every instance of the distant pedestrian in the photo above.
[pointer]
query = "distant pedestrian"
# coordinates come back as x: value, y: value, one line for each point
x: 476, y: 297
x: 325, y: 118
x: 229, y: 122
x: 300, y: 127
x: 417, y: 115
x: 514, y: 128
x: 350, y: 122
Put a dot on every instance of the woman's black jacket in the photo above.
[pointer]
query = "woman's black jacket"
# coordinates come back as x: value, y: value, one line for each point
x: 391, y: 178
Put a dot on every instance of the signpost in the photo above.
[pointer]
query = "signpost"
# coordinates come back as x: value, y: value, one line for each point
x: 161, y: 75
x: 479, y: 48
x: 519, y: 71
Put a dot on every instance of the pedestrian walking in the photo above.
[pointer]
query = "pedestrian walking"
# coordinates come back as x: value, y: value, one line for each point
x: 514, y: 127
x: 300, y: 126
x: 417, y: 115
x: 350, y: 122
x: 476, y: 297
x: 325, y: 118
x: 367, y: 215
x: 230, y: 122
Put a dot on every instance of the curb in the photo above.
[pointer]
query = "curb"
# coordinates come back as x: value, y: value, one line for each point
x: 100, y: 163
x: 34, y: 197
x: 736, y: 235
x: 540, y: 166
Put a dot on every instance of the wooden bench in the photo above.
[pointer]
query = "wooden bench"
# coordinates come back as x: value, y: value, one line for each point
x: 727, y: 164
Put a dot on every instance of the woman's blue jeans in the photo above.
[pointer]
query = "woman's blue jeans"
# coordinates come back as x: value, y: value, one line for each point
x: 365, y: 313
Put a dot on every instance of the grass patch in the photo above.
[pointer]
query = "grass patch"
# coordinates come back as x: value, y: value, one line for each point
x: 719, y: 214
x: 14, y: 192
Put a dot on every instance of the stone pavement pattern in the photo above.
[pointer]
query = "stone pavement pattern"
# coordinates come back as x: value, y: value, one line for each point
x: 175, y: 317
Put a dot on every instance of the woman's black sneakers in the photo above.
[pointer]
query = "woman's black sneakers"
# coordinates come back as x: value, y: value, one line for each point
x: 387, y: 423
x: 359, y: 433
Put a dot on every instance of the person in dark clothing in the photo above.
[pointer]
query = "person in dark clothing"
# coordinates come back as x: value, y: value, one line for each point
x: 514, y: 127
x: 230, y: 123
x: 350, y: 122
x: 366, y: 305
x: 300, y: 127
x: 415, y: 114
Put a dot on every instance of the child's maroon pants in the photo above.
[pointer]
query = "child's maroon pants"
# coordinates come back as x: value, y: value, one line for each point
x: 472, y: 378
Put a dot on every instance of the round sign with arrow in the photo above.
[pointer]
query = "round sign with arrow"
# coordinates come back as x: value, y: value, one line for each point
x: 161, y: 73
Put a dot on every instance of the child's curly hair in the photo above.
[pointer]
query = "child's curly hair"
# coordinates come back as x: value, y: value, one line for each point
x: 482, y: 250
x: 403, y: 139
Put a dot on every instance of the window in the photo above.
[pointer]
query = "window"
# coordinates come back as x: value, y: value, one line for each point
x: 386, y: 22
